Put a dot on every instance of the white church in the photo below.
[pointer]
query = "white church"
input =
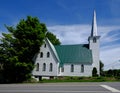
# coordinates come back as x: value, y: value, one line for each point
x: 68, y: 60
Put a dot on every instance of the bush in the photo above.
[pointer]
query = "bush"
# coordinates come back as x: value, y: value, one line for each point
x: 94, y: 72
x: 31, y: 80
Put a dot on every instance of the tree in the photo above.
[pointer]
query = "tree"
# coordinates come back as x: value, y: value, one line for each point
x: 7, y: 58
x: 110, y: 72
x: 113, y: 72
x: 53, y: 38
x: 18, y: 48
x: 94, y: 72
x: 101, y: 68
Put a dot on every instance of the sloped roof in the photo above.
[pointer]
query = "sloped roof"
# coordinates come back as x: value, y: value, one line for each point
x: 74, y: 54
x: 53, y: 49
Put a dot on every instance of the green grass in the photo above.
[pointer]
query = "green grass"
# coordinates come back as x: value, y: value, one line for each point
x: 81, y: 79
x: 76, y: 79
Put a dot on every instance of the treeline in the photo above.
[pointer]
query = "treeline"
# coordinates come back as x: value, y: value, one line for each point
x: 18, y: 47
x: 111, y: 73
x: 107, y: 73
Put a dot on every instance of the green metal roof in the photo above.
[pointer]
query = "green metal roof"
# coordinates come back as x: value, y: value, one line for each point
x: 74, y: 54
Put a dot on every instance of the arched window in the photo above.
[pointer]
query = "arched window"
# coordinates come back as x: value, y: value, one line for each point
x: 51, y: 67
x: 72, y: 68
x: 45, y: 46
x: 44, y: 67
x: 62, y: 69
x: 94, y: 40
x: 48, y: 54
x: 37, y: 67
x: 82, y: 68
x: 41, y: 54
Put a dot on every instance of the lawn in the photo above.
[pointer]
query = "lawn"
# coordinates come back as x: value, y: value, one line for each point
x: 76, y: 79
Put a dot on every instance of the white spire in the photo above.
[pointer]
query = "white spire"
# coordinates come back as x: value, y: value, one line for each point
x: 94, y: 25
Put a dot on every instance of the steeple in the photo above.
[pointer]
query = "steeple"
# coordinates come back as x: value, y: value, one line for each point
x: 94, y: 25
x: 94, y: 44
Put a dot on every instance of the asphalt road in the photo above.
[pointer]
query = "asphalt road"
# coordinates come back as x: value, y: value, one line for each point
x: 112, y: 87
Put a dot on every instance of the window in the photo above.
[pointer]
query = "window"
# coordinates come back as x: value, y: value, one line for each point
x: 94, y: 40
x: 51, y: 67
x: 37, y: 67
x: 72, y: 68
x: 59, y: 70
x: 62, y: 69
x: 48, y: 54
x: 45, y: 46
x: 82, y: 68
x: 44, y: 67
x: 41, y: 54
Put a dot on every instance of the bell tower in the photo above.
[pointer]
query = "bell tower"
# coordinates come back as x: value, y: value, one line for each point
x: 94, y: 44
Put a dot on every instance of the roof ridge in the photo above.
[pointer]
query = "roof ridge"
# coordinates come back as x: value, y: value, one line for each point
x: 71, y: 45
x: 76, y: 45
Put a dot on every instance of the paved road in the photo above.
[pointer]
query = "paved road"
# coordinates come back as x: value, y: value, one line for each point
x: 61, y: 88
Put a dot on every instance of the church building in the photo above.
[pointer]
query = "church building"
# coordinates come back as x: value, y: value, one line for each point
x: 68, y: 60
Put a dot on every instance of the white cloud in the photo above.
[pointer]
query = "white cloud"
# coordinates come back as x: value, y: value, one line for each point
x: 71, y: 34
x: 110, y: 57
x: 104, y: 32
x: 77, y: 34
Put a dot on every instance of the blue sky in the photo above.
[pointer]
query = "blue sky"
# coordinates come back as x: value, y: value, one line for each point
x: 70, y: 21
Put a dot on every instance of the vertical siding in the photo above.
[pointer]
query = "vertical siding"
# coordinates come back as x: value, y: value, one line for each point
x: 47, y: 61
x: 55, y: 72
x: 77, y: 70
x: 95, y: 51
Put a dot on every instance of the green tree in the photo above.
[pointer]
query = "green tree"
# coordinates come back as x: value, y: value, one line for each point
x: 109, y: 73
x: 18, y: 48
x: 101, y: 68
x: 53, y: 38
x: 6, y: 58
x: 94, y: 72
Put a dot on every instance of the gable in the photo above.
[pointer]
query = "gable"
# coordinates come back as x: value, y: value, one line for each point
x: 74, y: 54
x: 52, y: 49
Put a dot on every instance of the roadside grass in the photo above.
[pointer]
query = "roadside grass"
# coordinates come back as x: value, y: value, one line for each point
x: 81, y: 79
x: 76, y: 79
